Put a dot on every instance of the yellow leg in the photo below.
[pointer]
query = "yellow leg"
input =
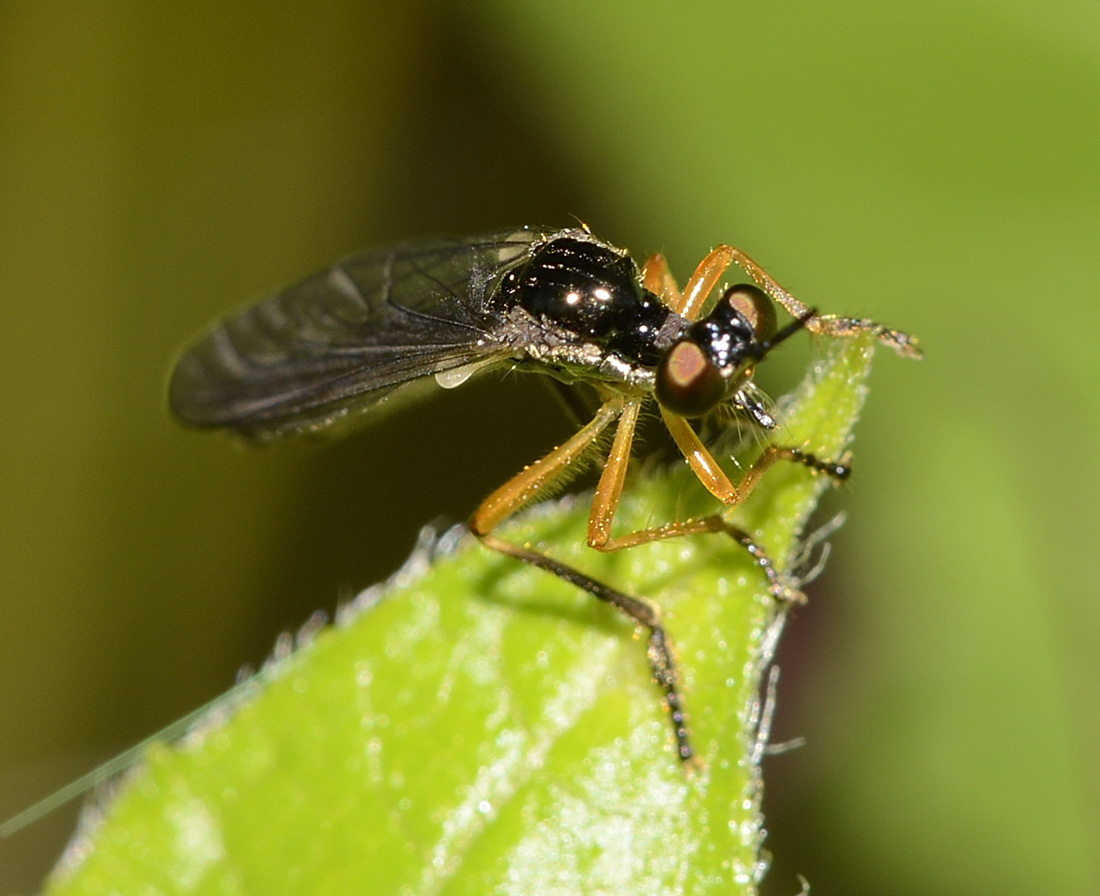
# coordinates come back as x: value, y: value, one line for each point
x: 532, y: 483
x: 712, y: 268
x: 658, y: 279
x: 610, y: 488
x: 711, y: 475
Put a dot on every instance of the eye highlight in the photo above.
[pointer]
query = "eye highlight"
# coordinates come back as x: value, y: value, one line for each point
x: 753, y: 304
x: 688, y: 382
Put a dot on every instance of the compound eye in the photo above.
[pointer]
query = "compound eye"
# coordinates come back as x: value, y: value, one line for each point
x: 688, y: 382
x: 753, y: 304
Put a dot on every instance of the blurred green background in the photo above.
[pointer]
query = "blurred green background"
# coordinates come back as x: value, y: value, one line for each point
x: 936, y: 165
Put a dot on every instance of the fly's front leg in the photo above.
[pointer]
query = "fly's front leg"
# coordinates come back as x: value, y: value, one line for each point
x: 712, y: 267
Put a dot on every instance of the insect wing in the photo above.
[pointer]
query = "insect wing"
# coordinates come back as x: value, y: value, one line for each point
x: 348, y: 337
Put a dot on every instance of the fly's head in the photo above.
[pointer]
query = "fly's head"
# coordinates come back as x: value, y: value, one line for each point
x: 714, y: 359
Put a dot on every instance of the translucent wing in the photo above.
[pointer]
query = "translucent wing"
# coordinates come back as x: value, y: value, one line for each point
x: 347, y: 338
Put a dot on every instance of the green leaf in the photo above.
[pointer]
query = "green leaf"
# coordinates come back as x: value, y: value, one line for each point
x: 478, y: 726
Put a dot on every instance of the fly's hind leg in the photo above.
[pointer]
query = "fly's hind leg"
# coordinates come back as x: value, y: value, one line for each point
x: 534, y: 482
x: 659, y: 651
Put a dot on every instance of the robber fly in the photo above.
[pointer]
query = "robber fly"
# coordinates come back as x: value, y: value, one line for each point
x: 385, y: 323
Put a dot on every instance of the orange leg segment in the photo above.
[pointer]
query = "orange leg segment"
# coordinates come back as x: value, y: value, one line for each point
x: 702, y: 462
x: 711, y: 269
x: 530, y: 485
x: 610, y: 488
x: 658, y: 279
x: 710, y: 474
